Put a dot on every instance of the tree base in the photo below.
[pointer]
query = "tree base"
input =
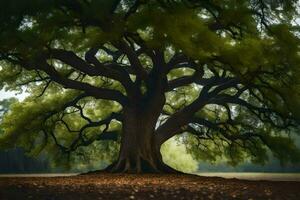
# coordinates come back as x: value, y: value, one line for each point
x: 125, y: 166
x: 145, y: 169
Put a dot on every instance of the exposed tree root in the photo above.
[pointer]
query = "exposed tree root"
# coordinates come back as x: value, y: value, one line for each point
x: 140, y: 167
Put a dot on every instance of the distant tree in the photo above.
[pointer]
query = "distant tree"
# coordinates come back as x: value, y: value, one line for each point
x: 223, y: 72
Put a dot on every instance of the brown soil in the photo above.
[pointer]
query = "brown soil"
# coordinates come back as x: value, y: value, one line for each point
x: 146, y: 186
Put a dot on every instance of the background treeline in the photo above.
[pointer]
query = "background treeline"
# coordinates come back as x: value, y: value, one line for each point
x: 15, y: 161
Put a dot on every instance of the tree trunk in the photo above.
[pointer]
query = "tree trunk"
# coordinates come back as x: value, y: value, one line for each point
x: 139, y: 152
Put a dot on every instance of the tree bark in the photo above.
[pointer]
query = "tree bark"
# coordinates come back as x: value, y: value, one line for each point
x: 139, y: 151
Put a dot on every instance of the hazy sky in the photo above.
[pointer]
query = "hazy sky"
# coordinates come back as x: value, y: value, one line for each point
x: 5, y: 95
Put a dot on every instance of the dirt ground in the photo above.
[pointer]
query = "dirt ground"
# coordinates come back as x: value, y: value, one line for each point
x: 146, y: 186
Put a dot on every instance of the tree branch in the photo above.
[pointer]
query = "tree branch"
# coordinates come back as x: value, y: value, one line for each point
x: 98, y: 93
x: 97, y: 68
x: 133, y: 59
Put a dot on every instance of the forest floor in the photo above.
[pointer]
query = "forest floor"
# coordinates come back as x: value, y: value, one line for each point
x: 145, y: 186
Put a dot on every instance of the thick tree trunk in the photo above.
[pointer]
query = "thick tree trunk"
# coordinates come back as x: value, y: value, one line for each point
x: 140, y: 148
x: 139, y: 152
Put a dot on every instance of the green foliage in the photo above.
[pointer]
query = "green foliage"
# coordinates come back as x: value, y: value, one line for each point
x: 154, y: 25
x: 23, y: 126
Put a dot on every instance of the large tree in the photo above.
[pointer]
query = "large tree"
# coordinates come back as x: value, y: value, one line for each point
x: 223, y: 72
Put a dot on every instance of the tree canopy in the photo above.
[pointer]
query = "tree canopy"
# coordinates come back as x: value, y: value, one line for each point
x: 126, y: 76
